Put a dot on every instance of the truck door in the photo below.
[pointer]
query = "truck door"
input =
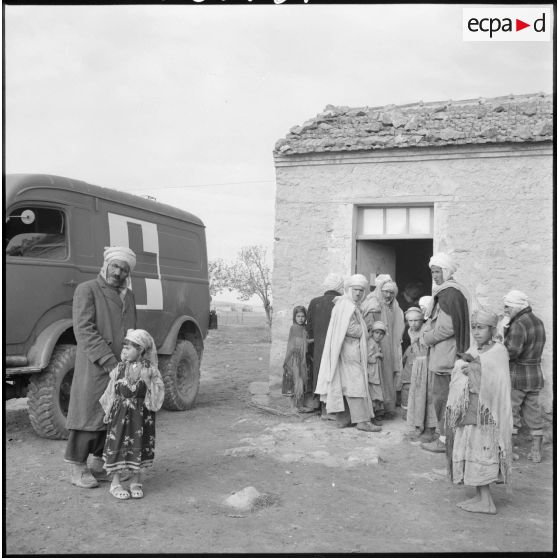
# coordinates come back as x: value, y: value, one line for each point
x: 40, y: 278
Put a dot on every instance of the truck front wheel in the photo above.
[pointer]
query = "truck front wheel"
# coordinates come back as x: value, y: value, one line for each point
x: 181, y: 374
x: 49, y: 394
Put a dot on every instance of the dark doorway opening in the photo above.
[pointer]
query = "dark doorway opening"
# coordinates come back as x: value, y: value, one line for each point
x: 406, y: 260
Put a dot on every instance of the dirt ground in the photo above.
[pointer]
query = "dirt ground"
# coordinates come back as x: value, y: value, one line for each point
x: 329, y: 490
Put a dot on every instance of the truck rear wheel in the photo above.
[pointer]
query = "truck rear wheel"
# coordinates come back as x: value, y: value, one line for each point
x: 181, y: 374
x: 49, y: 394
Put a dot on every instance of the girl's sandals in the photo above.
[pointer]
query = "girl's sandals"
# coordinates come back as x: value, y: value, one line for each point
x: 119, y: 492
x: 136, y: 490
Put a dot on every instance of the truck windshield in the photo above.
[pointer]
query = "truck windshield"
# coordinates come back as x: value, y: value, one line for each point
x: 36, y: 232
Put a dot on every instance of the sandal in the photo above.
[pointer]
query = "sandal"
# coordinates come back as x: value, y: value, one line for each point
x: 119, y: 492
x: 136, y: 490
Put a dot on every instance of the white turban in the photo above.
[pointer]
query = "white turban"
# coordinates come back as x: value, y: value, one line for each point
x: 390, y: 286
x: 333, y: 282
x: 122, y: 253
x: 357, y: 280
x: 145, y: 341
x: 381, y: 279
x: 517, y: 299
x: 443, y: 261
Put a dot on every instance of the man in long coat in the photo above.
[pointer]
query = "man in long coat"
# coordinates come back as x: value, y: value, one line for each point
x: 317, y: 322
x: 103, y: 310
x: 446, y: 334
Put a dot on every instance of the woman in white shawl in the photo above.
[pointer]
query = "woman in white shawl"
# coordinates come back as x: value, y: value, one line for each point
x: 342, y: 380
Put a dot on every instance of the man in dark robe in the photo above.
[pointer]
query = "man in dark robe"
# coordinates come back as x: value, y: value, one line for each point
x: 317, y: 322
x: 103, y: 310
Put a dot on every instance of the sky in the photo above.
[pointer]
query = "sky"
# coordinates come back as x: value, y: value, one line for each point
x: 185, y: 103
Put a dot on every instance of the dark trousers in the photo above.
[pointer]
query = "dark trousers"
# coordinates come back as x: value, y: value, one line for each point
x: 440, y: 391
x: 81, y: 443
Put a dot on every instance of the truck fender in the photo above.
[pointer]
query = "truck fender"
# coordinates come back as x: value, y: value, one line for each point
x: 40, y: 352
x: 169, y: 343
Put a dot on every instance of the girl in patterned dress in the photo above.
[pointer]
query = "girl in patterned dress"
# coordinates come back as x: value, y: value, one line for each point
x: 135, y: 392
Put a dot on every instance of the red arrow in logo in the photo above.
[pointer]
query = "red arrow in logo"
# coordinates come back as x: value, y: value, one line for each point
x: 519, y: 25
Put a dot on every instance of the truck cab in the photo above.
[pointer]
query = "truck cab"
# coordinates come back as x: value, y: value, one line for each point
x: 56, y: 229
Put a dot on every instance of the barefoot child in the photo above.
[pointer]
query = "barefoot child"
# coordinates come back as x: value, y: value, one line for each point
x: 375, y: 362
x: 135, y: 392
x: 479, y: 416
x: 295, y: 371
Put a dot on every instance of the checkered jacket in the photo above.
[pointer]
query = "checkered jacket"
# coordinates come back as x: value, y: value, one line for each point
x: 525, y: 338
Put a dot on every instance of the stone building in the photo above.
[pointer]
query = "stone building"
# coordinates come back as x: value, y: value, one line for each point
x: 378, y: 190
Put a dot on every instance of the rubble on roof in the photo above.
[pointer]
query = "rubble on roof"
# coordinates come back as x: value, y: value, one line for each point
x: 519, y: 118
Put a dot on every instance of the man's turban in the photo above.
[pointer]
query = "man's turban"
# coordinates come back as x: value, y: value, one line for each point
x: 357, y: 280
x: 390, y: 286
x: 121, y: 253
x: 517, y: 299
x: 378, y: 325
x: 333, y: 282
x: 445, y: 262
x: 381, y: 279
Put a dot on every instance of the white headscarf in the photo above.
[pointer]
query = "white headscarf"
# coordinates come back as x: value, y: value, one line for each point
x: 333, y: 282
x: 357, y: 280
x: 379, y: 325
x: 425, y: 303
x: 415, y: 311
x: 516, y: 299
x: 390, y: 285
x: 145, y: 341
x: 120, y: 253
x: 445, y: 262
x: 381, y: 279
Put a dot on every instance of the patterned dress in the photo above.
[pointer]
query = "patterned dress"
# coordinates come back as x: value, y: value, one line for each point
x: 130, y: 442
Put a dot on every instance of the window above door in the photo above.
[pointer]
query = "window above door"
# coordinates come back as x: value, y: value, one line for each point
x: 374, y: 222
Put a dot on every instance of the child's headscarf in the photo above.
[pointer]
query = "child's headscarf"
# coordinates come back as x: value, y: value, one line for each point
x: 145, y: 341
x: 379, y: 326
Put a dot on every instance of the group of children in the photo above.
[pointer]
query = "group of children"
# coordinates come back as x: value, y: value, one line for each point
x: 417, y: 410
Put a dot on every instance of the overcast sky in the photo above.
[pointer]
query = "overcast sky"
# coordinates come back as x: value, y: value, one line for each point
x: 185, y: 103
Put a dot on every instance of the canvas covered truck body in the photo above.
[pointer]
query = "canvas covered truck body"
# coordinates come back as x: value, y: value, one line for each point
x: 55, y: 232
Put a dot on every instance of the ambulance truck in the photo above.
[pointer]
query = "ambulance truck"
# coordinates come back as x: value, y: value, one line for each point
x: 55, y: 232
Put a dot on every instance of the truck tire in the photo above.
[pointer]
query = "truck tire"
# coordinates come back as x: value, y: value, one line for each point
x: 181, y: 374
x: 49, y: 394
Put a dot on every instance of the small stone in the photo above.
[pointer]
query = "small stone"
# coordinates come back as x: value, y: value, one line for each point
x: 243, y: 499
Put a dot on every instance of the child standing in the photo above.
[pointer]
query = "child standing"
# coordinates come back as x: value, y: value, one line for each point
x: 135, y: 392
x: 479, y: 418
x: 421, y: 418
x: 375, y: 363
x: 296, y: 380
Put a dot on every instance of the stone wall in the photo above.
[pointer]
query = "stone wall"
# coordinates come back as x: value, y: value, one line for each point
x: 492, y: 209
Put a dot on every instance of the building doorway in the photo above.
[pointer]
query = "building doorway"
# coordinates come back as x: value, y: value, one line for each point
x: 406, y: 260
x: 397, y: 240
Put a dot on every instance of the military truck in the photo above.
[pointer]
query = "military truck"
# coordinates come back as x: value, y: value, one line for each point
x: 56, y: 229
